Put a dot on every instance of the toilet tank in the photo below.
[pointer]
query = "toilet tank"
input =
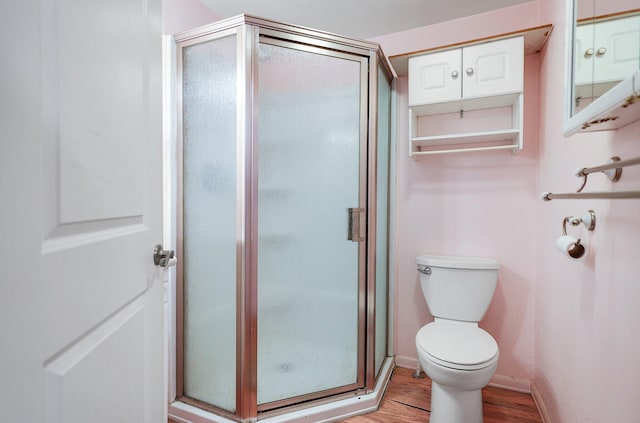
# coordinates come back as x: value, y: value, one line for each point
x: 457, y: 288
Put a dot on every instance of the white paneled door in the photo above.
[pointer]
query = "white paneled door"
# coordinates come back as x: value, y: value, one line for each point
x: 81, y: 305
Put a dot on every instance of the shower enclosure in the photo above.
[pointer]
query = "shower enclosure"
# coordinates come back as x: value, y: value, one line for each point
x: 283, y: 221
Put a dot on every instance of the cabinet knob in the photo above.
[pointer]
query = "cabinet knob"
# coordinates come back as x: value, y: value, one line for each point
x: 454, y: 74
x: 588, y: 53
x: 469, y: 71
x: 601, y: 51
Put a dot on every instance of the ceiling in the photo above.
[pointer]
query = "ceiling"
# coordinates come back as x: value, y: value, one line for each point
x: 357, y: 18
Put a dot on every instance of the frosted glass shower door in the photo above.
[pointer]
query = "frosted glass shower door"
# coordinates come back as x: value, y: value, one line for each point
x: 209, y: 186
x: 311, y: 146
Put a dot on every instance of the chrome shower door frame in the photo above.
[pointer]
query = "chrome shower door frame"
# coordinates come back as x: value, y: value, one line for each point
x: 288, y: 41
x: 230, y: 27
x: 250, y: 31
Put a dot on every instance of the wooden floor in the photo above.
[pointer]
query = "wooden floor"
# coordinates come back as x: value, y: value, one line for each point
x: 408, y: 400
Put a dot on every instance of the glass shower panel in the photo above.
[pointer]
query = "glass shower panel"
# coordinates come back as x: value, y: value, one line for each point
x: 382, y: 217
x: 309, y: 175
x: 209, y: 219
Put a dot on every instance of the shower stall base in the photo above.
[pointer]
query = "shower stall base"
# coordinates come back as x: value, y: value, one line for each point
x: 317, y: 412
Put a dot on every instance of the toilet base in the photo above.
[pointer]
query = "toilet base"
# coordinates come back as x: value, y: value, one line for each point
x: 455, y: 406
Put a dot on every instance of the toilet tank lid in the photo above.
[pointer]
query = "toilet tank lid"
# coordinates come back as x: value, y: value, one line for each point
x: 456, y: 262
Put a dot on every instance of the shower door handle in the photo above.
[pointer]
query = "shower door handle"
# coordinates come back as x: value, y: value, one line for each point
x: 355, y: 224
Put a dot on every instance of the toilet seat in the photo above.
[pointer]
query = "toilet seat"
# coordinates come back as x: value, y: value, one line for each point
x: 457, y: 345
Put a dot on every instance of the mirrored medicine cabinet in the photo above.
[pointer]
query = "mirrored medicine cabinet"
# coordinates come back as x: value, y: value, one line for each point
x: 603, y: 65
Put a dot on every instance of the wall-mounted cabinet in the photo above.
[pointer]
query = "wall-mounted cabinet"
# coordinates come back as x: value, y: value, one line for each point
x: 467, y: 99
x: 606, y: 53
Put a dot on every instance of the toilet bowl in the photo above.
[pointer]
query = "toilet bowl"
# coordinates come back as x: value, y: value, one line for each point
x: 458, y: 356
x: 460, y: 359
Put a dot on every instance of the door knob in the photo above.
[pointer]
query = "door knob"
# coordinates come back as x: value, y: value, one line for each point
x: 161, y: 256
x: 601, y: 51
x: 454, y: 74
x: 588, y: 53
x: 469, y: 71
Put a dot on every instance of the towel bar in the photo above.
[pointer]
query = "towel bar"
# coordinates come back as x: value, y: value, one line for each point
x: 548, y: 196
x: 616, y: 164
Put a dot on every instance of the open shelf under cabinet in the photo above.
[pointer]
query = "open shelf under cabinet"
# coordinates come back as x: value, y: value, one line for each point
x: 473, y: 129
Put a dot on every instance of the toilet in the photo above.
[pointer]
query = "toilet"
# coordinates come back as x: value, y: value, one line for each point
x: 458, y: 356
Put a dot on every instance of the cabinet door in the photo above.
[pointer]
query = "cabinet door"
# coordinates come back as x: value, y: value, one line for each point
x: 616, y: 49
x: 435, y: 78
x: 493, y: 68
x: 583, y: 66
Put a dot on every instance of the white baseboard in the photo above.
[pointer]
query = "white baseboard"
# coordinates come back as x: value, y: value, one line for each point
x: 537, y: 399
x: 511, y: 383
x: 406, y: 362
x: 499, y: 381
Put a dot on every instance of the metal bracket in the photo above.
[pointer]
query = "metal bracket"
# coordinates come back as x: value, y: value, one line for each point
x: 588, y: 220
x: 613, y: 174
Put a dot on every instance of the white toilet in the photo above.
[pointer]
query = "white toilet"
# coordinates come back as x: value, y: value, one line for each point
x: 458, y: 356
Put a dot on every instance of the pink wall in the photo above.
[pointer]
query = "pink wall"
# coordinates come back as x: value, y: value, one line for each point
x: 590, y: 8
x: 508, y: 19
x: 180, y: 15
x: 587, y: 360
x: 480, y: 204
x: 582, y: 315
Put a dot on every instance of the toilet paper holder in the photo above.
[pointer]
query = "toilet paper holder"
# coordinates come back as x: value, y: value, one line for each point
x: 568, y: 244
x: 588, y: 220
